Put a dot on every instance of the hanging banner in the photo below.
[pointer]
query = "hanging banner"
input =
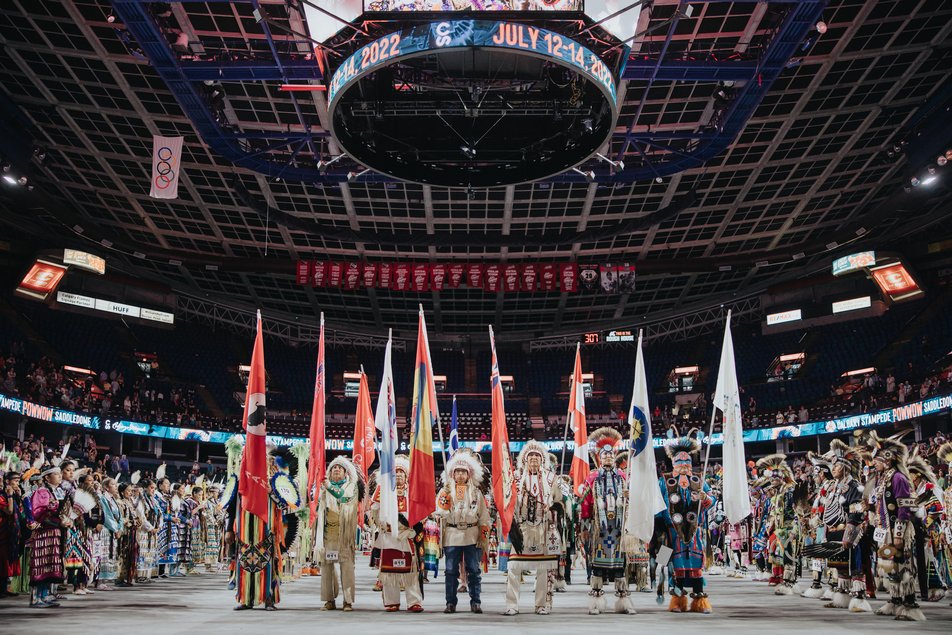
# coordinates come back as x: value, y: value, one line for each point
x: 549, y: 278
x: 510, y: 278
x: 335, y: 273
x: 589, y: 277
x: 351, y: 275
x: 608, y: 279
x: 368, y: 274
x: 385, y: 270
x: 626, y: 278
x: 455, y: 274
x: 474, y: 276
x: 401, y: 277
x: 437, y: 277
x: 166, y: 165
x: 568, y: 277
x: 303, y: 271
x: 530, y: 274
x: 318, y: 274
x: 492, y: 278
x: 421, y: 278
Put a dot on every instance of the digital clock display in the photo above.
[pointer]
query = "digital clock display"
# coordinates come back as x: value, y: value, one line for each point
x: 425, y: 38
x: 592, y: 338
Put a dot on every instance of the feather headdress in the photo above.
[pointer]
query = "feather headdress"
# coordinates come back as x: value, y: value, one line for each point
x: 918, y: 466
x: 160, y: 472
x: 347, y: 465
x: 891, y: 449
x: 464, y: 461
x: 533, y: 447
x: 688, y: 443
x: 401, y: 462
x: 774, y: 466
x: 602, y: 439
x: 944, y: 453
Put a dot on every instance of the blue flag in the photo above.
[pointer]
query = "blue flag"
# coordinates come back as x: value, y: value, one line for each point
x: 454, y: 431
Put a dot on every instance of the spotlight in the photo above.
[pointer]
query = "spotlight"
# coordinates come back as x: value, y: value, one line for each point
x: 931, y: 169
x: 589, y: 176
x: 182, y: 40
x: 929, y: 180
x: 22, y: 180
x: 353, y: 176
x: 588, y: 124
x: 468, y: 151
x: 658, y: 179
x: 914, y: 181
x: 821, y: 27
x: 322, y: 165
x: 941, y: 160
x: 39, y: 153
x: 110, y: 18
x: 616, y: 165
x: 9, y: 179
x: 470, y: 194
x: 948, y: 155
x: 6, y: 167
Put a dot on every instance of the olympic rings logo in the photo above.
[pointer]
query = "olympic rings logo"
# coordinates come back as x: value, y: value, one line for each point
x: 163, y: 168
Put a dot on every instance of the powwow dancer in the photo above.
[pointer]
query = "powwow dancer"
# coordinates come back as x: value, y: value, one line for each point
x: 789, y: 503
x: 335, y: 535
x: 535, y: 536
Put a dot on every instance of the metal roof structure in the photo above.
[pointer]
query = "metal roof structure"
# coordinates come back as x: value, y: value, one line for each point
x: 801, y: 178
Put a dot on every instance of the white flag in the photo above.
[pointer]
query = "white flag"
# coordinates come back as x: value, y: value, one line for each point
x: 166, y: 166
x: 386, y: 421
x: 727, y: 400
x: 644, y: 493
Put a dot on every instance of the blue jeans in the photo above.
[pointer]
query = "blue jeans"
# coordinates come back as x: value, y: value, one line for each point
x: 473, y: 557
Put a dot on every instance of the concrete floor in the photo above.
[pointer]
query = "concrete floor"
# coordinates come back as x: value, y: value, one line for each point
x: 203, y: 606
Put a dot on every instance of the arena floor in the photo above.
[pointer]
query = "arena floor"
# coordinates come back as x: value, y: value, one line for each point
x: 202, y: 605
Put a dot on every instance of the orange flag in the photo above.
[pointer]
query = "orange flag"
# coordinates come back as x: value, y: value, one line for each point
x: 504, y: 491
x: 253, y: 482
x: 315, y: 464
x: 580, y: 467
x: 364, y: 452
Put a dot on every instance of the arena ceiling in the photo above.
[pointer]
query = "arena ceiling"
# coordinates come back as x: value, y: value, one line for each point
x: 806, y: 178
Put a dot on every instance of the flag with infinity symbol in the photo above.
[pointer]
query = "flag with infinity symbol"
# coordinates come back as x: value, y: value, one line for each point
x: 166, y: 166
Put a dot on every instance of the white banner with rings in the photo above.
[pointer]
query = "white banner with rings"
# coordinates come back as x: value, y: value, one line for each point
x: 166, y: 164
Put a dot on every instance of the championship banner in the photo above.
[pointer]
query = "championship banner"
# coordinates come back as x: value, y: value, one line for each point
x: 492, y: 280
x: 401, y: 277
x: 455, y: 275
x: 351, y: 275
x: 385, y: 275
x: 568, y: 278
x: 437, y: 277
x: 166, y: 166
x: 421, y: 278
x: 335, y: 273
x: 474, y: 276
x: 589, y: 277
x: 549, y: 278
x: 318, y: 274
x: 617, y: 278
x: 304, y: 272
x: 510, y: 278
x: 368, y: 274
x: 530, y: 274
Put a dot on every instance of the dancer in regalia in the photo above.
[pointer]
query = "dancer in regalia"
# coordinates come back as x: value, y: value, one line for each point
x: 399, y: 555
x: 789, y: 506
x: 687, y: 499
x: 927, y: 522
x: 335, y: 535
x: 46, y: 565
x: 464, y: 514
x: 604, y: 497
x: 535, y: 535
x: 891, y: 501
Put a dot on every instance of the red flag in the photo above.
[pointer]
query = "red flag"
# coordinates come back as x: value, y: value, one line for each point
x: 335, y: 273
x: 437, y: 277
x: 253, y: 482
x: 493, y: 278
x: 530, y: 274
x: 401, y: 277
x: 369, y: 274
x: 455, y: 275
x: 510, y: 277
x: 504, y: 491
x: 580, y: 467
x: 363, y: 453
x: 549, y: 277
x: 568, y: 277
x: 316, y: 465
x: 351, y: 275
x: 424, y: 416
x: 420, y: 278
x: 386, y: 275
x: 474, y: 276
x: 318, y: 274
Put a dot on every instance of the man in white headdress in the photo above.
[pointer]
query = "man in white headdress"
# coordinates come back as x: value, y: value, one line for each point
x: 336, y: 531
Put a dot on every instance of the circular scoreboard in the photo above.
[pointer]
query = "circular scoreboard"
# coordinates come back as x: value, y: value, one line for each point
x: 470, y: 102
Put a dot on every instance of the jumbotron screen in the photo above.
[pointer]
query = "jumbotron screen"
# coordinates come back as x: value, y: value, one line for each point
x: 472, y: 5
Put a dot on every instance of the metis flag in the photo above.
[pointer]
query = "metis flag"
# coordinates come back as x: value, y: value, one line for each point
x: 644, y: 495
x: 580, y: 469
x: 454, y: 430
x: 424, y: 416
x: 315, y: 464
x: 504, y: 493
x: 727, y: 400
x: 364, y: 452
x: 253, y: 484
x: 386, y: 421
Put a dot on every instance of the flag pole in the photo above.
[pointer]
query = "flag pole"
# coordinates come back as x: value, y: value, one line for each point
x: 568, y: 416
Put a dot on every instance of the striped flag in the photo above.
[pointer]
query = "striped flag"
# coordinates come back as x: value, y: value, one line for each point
x: 253, y: 484
x: 580, y: 468
x: 166, y: 166
x: 454, y: 430
x: 727, y: 400
x: 363, y: 453
x: 644, y: 495
x: 386, y: 422
x: 316, y: 462
x: 504, y: 490
x: 424, y: 416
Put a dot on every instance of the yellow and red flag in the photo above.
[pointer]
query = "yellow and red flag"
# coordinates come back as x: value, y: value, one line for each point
x: 504, y: 493
x: 315, y: 464
x: 424, y: 417
x: 364, y: 453
x: 580, y: 468
x: 253, y: 482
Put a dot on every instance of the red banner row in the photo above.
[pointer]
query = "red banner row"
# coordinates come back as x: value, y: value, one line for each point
x: 421, y: 277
